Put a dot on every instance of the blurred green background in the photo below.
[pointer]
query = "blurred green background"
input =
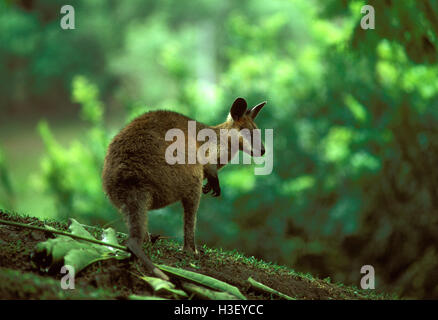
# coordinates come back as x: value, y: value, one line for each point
x: 354, y: 114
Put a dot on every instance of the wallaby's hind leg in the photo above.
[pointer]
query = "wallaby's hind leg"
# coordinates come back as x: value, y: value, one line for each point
x: 190, y: 205
x: 135, y: 212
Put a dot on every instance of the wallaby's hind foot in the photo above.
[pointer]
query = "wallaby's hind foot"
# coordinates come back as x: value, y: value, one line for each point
x: 191, y: 251
x: 192, y: 254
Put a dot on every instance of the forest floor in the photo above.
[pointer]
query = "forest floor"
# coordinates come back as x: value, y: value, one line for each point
x: 116, y: 279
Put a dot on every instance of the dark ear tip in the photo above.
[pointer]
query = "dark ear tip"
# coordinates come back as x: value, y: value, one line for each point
x: 238, y: 108
x: 240, y: 100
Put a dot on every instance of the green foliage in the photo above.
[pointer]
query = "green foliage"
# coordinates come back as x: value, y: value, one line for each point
x: 72, y: 175
x: 64, y: 250
x: 7, y: 193
x: 87, y: 94
x: 354, y: 114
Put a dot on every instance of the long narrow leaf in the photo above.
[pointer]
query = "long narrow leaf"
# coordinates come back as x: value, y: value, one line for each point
x: 137, y: 297
x: 261, y: 287
x: 203, y: 280
x: 205, y: 293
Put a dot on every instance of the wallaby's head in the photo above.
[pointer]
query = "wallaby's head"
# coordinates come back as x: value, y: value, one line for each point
x: 242, y: 119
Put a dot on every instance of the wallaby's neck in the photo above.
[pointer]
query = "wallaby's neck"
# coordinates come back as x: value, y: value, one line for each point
x: 224, y: 150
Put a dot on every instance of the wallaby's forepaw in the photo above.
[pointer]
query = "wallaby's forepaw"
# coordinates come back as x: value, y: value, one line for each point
x: 206, y: 188
x: 212, y: 184
x: 216, y: 189
x: 216, y: 192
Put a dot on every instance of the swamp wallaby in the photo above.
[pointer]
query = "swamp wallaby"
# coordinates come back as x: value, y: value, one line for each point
x: 137, y: 177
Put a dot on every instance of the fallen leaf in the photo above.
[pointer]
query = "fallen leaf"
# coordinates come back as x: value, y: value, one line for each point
x: 261, y: 287
x: 204, y: 280
x: 204, y: 293
x: 164, y: 287
x: 79, y: 254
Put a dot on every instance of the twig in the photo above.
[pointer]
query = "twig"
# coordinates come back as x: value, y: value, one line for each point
x: 22, y: 225
x: 153, y: 237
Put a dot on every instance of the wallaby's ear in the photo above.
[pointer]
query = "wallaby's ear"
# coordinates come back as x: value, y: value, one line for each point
x: 255, y: 111
x: 238, y: 108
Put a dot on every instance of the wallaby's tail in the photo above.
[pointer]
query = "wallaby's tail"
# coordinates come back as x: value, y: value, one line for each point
x: 137, y: 250
x: 135, y: 211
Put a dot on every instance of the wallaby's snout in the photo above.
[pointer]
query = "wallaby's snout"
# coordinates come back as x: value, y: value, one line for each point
x: 258, y: 153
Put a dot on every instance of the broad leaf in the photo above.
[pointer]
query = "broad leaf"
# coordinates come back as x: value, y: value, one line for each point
x: 79, y: 253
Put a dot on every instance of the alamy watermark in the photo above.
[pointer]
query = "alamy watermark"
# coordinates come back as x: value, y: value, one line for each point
x: 367, y: 281
x: 367, y: 21
x: 68, y: 20
x: 222, y: 149
x: 68, y: 281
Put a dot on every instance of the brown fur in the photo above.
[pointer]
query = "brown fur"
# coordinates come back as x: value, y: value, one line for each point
x: 137, y: 178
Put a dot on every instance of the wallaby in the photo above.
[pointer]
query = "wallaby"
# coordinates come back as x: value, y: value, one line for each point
x: 137, y: 178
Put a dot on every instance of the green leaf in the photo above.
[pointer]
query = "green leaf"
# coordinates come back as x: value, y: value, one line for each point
x: 261, y: 287
x: 79, y: 253
x: 359, y: 112
x: 163, y: 286
x: 87, y: 94
x: 205, y: 293
x: 137, y: 297
x: 203, y: 280
x: 337, y: 144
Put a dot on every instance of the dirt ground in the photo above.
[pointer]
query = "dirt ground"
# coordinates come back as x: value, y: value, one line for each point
x: 21, y: 278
